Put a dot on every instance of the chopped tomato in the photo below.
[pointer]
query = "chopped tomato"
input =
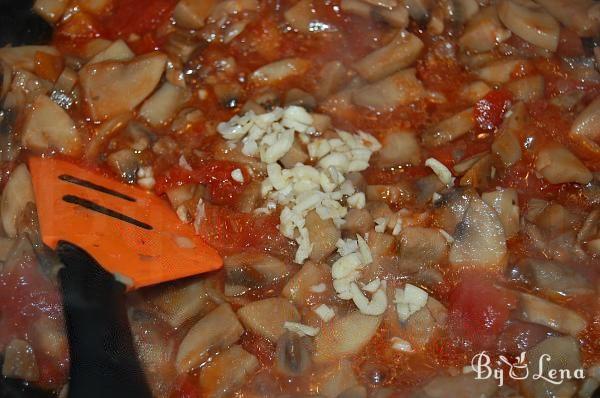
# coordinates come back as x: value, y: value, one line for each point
x: 489, y: 110
x: 215, y: 174
x: 230, y: 230
x: 187, y: 388
x: 132, y: 17
x: 478, y: 310
x: 569, y: 44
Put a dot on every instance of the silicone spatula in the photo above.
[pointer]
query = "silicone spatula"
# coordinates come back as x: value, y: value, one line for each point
x: 132, y: 233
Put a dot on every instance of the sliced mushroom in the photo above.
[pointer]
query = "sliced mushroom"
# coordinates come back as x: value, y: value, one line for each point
x: 549, y: 277
x: 498, y: 72
x: 301, y: 285
x: 401, y: 88
x: 266, y: 317
x: 479, y: 175
x: 422, y: 326
x: 421, y: 247
x: 506, y: 144
x: 575, y: 15
x: 279, y: 70
x: 182, y: 301
x: 556, y: 355
x: 323, y: 235
x: 162, y: 105
x: 479, y: 239
x: 527, y: 88
x: 23, y: 57
x: 227, y: 373
x: 506, y: 204
x: 15, y: 197
x: 587, y: 125
x: 217, y: 330
x: 358, y: 221
x: 20, y: 361
x: 302, y: 16
x: 331, y: 78
x: 336, y: 378
x: 49, y: 127
x: 543, y: 312
x: 530, y: 22
x: 117, y: 51
x: 483, y: 32
x: 192, y: 14
x: 111, y: 88
x: 292, y: 357
x: 558, y: 165
x: 248, y: 270
x: 449, y: 129
x: 345, y: 336
x: 50, y: 10
x: 400, y: 53
x: 398, y: 149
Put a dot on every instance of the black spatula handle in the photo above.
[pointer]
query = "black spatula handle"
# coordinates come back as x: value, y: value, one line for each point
x: 104, y: 362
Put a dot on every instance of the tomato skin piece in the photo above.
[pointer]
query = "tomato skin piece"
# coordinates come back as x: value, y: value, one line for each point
x: 489, y: 111
x: 478, y: 310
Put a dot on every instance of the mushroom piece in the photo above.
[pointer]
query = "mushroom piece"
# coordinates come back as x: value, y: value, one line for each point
x: 550, y: 277
x: 401, y: 88
x: 574, y: 14
x: 252, y: 270
x: 323, y: 235
x: 336, y: 378
x: 556, y: 355
x: 302, y: 284
x: 227, y: 373
x: 50, y: 10
x: 479, y: 238
x: 449, y: 129
x: 558, y: 165
x: 543, y: 312
x: 23, y: 57
x: 49, y: 127
x: 506, y: 143
x: 527, y: 88
x: 483, y: 32
x: 267, y: 317
x: 421, y: 247
x: 400, y: 53
x: 345, y: 336
x: 163, y: 104
x: 20, y: 362
x: 117, y: 51
x: 15, y: 197
x: 192, y: 14
x: 292, y: 357
x: 530, y: 22
x: 422, y: 326
x: 111, y: 88
x: 398, y: 149
x: 181, y: 301
x: 217, y: 330
x: 279, y: 70
x: 499, y: 72
x: 506, y: 204
x: 587, y: 125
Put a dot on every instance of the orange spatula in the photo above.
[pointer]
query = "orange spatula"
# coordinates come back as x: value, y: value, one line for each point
x: 132, y: 233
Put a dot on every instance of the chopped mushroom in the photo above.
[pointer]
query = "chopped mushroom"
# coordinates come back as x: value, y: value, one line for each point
x: 267, y: 317
x: 300, y: 286
x: 162, y: 105
x: 543, y: 312
x: 227, y: 373
x: 279, y: 70
x: 117, y: 51
x: 558, y: 165
x: 449, y: 129
x: 217, y: 330
x: 192, y: 14
x: 400, y: 53
x: 464, y: 386
x: 531, y: 22
x: 49, y: 127
x: 499, y: 71
x: 345, y: 336
x: 484, y: 31
x: 506, y: 204
x: 479, y: 239
x: 399, y: 148
x: 574, y: 14
x: 20, y: 362
x: 15, y: 197
x: 587, y: 125
x: 111, y: 88
x: 401, y: 88
x: 323, y: 234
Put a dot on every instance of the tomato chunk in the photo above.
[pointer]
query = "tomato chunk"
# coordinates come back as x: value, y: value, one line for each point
x: 131, y: 17
x: 478, y: 310
x: 215, y: 174
x: 489, y: 110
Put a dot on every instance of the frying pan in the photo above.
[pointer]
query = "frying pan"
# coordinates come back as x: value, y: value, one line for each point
x: 103, y: 359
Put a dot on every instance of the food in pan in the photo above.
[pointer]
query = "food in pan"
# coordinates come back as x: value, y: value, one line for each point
x: 405, y: 193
